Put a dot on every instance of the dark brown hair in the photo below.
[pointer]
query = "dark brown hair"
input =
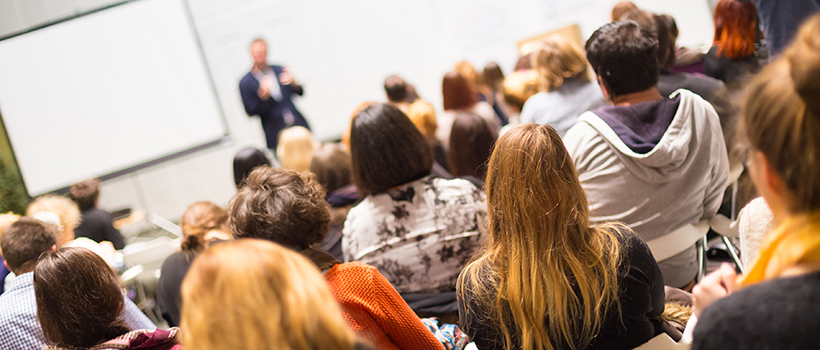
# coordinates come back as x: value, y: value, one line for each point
x: 280, y: 206
x: 85, y: 193
x: 386, y: 149
x: 199, y: 219
x: 624, y: 56
x: 332, y: 167
x: 24, y: 241
x: 493, y: 76
x: 79, y: 298
x: 471, y: 143
x: 457, y: 92
x: 245, y: 161
x: 395, y: 88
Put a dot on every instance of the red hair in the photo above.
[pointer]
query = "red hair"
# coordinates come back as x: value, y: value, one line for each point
x: 735, y: 24
x: 457, y: 92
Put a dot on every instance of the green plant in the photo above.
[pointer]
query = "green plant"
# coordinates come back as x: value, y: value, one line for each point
x: 13, y: 196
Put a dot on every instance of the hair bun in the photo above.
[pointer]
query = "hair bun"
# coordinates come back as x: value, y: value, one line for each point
x: 804, y: 61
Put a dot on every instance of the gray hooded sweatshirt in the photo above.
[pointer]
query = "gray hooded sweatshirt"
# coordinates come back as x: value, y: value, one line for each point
x: 656, y: 166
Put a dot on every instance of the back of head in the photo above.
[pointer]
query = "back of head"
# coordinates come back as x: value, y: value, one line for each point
x: 78, y: 299
x: 623, y: 55
x: 467, y: 70
x: 396, y: 89
x: 24, y: 241
x: 296, y: 146
x: 559, y: 59
x: 245, y: 161
x: 457, y: 92
x: 621, y: 9
x: 423, y: 116
x: 281, y: 206
x: 735, y: 28
x: 66, y: 210
x: 332, y: 167
x: 198, y: 220
x: 540, y: 240
x: 493, y: 76
x: 781, y: 116
x: 666, y: 35
x: 471, y: 143
x: 278, y: 302
x: 519, y: 87
x: 524, y: 62
x: 85, y: 193
x: 387, y: 150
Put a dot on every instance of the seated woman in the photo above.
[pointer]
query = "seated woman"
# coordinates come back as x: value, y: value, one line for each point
x: 296, y: 146
x: 289, y: 208
x: 732, y: 56
x: 417, y: 230
x: 202, y: 223
x: 331, y: 165
x: 771, y: 306
x: 79, y: 300
x: 566, y: 91
x: 280, y: 301
x: 548, y: 280
x: 460, y: 97
x: 471, y: 143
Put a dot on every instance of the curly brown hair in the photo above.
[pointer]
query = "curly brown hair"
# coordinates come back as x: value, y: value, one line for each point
x: 280, y: 206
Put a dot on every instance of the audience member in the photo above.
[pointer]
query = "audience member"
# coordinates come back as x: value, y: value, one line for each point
x: 471, y: 143
x: 459, y: 98
x: 493, y: 79
x: 245, y: 161
x: 524, y: 62
x: 95, y: 224
x: 483, y: 92
x: 518, y: 88
x: 5, y: 221
x: 296, y: 146
x: 566, y: 91
x: 79, y: 301
x: 733, y: 53
x: 547, y: 280
x: 291, y: 307
x: 396, y: 90
x: 23, y: 243
x: 419, y: 231
x: 771, y: 306
x: 289, y: 208
x: 332, y: 166
x: 423, y: 116
x: 202, y: 223
x: 657, y: 163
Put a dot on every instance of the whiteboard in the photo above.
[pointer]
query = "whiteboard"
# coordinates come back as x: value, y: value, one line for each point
x: 105, y: 92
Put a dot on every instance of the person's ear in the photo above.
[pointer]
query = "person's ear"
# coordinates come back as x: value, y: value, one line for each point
x: 6, y: 264
x: 604, y: 91
x: 54, y: 248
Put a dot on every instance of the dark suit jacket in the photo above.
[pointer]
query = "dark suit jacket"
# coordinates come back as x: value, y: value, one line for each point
x: 271, y: 112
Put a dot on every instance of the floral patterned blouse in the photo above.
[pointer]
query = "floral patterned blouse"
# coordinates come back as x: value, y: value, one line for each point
x: 419, y: 235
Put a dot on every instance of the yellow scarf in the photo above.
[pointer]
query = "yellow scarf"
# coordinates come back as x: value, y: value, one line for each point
x: 795, y: 241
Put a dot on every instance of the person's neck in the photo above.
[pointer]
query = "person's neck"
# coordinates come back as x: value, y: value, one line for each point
x: 650, y: 94
x: 260, y: 66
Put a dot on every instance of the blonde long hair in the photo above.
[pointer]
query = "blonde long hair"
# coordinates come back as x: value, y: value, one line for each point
x: 559, y: 59
x: 541, y: 248
x: 279, y: 301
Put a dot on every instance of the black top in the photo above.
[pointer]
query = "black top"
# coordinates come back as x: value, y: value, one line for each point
x: 730, y: 71
x: 642, y: 299
x: 777, y: 314
x: 170, y: 283
x: 97, y: 225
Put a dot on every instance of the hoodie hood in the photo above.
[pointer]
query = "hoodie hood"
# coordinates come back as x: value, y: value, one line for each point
x: 654, y: 140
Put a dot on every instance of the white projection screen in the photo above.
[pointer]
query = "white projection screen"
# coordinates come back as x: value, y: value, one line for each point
x: 106, y: 93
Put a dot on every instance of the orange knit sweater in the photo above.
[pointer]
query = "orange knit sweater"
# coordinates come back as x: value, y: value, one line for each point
x: 375, y: 310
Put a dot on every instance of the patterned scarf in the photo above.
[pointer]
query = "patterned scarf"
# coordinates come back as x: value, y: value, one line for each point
x: 795, y: 241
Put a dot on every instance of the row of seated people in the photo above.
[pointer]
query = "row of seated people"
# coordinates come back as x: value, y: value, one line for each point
x: 542, y: 267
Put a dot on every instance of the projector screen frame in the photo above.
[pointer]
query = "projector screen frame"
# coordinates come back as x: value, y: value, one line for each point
x: 222, y: 140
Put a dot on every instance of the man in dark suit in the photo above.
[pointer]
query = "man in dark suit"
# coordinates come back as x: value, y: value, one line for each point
x: 267, y: 91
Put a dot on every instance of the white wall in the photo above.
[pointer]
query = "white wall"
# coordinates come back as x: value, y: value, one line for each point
x: 341, y: 51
